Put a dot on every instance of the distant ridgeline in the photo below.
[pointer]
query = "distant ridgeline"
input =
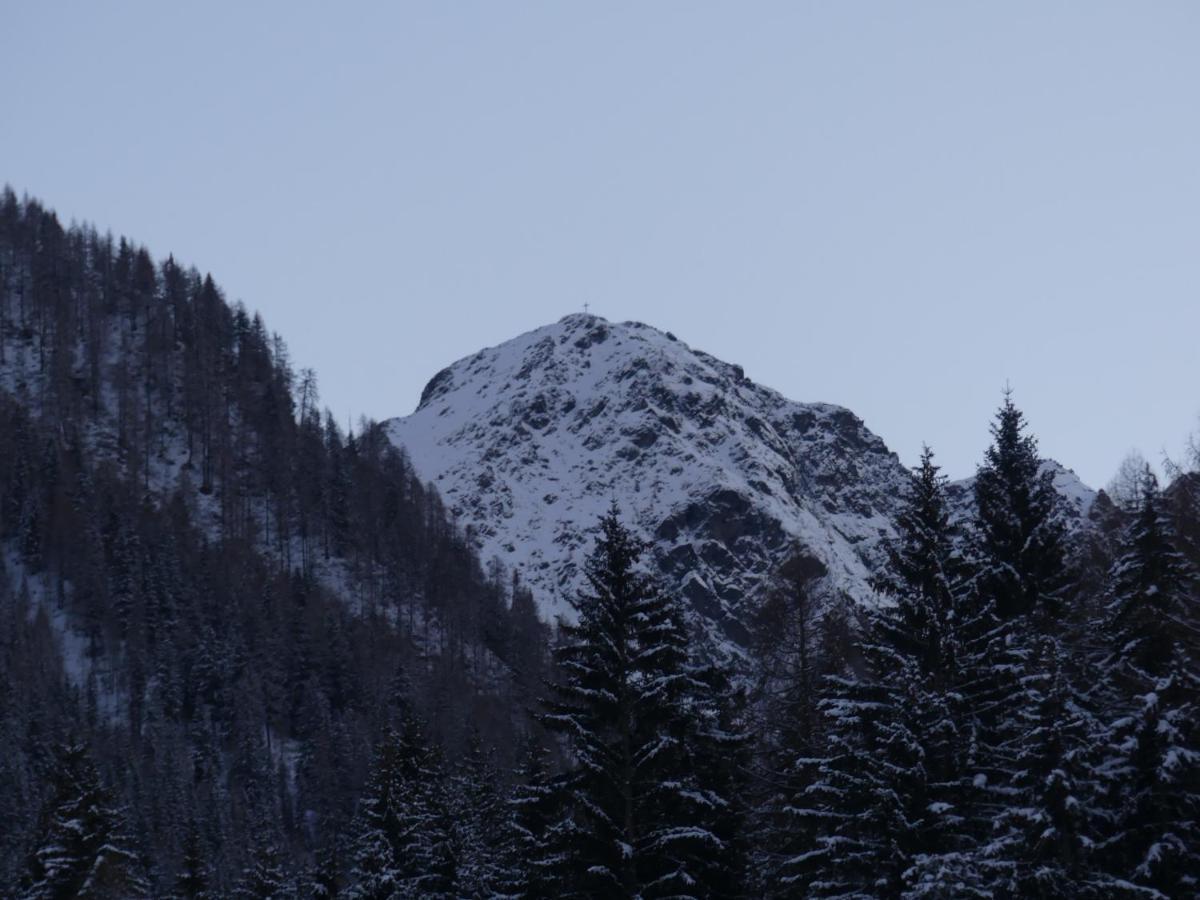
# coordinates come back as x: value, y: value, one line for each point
x: 244, y: 653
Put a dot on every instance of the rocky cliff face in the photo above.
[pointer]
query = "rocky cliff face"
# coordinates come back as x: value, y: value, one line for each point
x: 529, y: 442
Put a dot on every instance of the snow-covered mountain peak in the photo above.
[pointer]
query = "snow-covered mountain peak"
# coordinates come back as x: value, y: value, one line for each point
x: 529, y: 441
x: 580, y: 348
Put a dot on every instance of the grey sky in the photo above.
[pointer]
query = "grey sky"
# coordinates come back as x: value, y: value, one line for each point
x: 891, y: 206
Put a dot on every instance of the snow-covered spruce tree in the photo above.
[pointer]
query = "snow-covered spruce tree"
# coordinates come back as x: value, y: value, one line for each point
x: 791, y: 666
x: 264, y: 878
x: 430, y: 839
x: 477, y: 823
x: 1019, y: 529
x: 1036, y: 726
x: 936, y: 634
x: 868, y: 793
x: 532, y: 866
x: 1043, y: 837
x: 644, y: 817
x: 325, y: 879
x: 85, y: 852
x: 402, y: 848
x: 194, y: 878
x: 720, y: 746
x: 1152, y: 676
x: 892, y: 804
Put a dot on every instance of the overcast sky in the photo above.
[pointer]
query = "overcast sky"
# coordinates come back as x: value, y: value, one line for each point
x: 892, y: 206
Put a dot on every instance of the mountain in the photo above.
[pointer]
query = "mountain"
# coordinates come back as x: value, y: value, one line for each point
x: 529, y: 441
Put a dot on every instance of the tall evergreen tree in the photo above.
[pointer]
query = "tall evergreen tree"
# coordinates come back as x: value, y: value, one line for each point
x: 194, y: 878
x: 477, y: 822
x: 719, y: 751
x: 532, y: 867
x: 264, y: 878
x: 325, y: 882
x: 641, y: 820
x: 1153, y: 675
x: 1020, y: 532
x: 403, y: 846
x: 1044, y: 835
x: 1037, y: 727
x: 790, y: 667
x: 85, y: 852
x: 893, y: 802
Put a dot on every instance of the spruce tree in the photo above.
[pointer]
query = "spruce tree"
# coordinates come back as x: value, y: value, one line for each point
x: 429, y: 845
x: 641, y: 821
x: 532, y: 867
x: 939, y: 641
x: 892, y: 804
x: 1043, y: 837
x: 194, y: 878
x: 1037, y: 726
x: 85, y: 852
x: 403, y: 845
x: 264, y: 878
x: 378, y: 865
x: 325, y: 881
x: 791, y: 667
x: 1152, y: 674
x: 720, y: 747
x: 477, y: 820
x: 1019, y: 528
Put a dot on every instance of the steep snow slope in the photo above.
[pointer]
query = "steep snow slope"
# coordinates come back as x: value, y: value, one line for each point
x: 529, y: 442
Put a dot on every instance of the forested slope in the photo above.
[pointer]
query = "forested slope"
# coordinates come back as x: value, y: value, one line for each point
x: 206, y: 582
